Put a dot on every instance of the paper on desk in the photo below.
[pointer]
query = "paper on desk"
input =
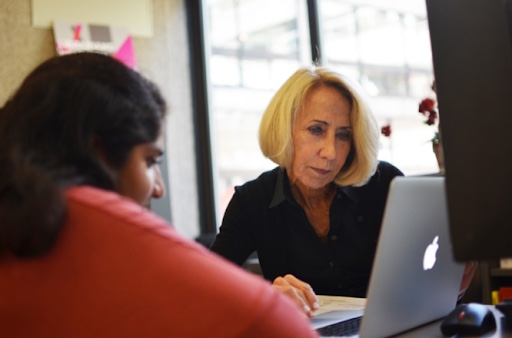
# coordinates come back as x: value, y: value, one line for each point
x: 335, y: 303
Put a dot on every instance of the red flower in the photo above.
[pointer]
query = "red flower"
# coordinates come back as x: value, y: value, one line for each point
x: 427, y: 105
x: 386, y: 130
x: 428, y: 108
x: 432, y: 116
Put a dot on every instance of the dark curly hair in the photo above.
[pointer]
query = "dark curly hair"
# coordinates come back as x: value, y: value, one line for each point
x: 51, y: 131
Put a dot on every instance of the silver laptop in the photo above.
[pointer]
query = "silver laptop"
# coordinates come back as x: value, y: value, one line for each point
x: 414, y: 279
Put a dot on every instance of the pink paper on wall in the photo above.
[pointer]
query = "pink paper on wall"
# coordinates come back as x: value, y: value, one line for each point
x: 110, y: 40
x: 125, y: 53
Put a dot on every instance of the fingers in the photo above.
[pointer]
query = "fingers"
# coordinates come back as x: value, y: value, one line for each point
x: 306, y: 290
x: 300, y: 292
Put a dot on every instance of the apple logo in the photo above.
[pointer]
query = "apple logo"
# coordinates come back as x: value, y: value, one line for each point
x: 429, y: 258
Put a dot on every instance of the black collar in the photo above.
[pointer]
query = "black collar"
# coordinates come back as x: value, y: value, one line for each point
x: 283, y: 193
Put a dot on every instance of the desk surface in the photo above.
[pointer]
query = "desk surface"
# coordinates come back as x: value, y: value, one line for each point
x: 433, y: 330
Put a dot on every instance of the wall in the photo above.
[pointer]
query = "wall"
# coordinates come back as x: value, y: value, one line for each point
x: 162, y: 58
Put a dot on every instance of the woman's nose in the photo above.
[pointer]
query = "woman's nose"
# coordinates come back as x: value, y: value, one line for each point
x: 158, y: 187
x: 328, y: 150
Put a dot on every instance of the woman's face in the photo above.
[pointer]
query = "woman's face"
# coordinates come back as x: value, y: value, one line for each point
x: 322, y: 137
x: 140, y: 178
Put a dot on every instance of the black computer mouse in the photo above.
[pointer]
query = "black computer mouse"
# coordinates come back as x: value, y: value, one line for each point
x: 470, y: 319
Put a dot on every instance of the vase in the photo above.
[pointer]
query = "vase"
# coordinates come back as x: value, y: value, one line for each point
x: 437, y: 147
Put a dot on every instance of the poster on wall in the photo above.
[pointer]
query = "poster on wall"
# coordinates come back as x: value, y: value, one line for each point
x: 80, y: 37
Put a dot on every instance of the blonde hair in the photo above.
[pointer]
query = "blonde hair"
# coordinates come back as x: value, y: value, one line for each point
x: 275, y: 134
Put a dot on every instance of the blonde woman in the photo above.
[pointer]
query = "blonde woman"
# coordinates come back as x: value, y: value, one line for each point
x: 314, y: 220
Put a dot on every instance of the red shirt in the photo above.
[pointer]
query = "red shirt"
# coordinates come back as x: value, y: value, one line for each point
x: 118, y: 270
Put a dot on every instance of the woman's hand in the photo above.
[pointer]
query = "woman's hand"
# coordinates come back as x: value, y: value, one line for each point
x: 300, y: 292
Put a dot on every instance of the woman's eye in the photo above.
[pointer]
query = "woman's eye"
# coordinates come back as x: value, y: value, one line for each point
x: 345, y: 135
x: 151, y: 161
x: 315, y: 130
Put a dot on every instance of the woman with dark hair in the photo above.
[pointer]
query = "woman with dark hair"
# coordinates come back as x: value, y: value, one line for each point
x: 74, y: 121
x: 80, y: 143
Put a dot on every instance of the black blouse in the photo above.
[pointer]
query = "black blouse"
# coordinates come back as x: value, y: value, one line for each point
x: 263, y: 216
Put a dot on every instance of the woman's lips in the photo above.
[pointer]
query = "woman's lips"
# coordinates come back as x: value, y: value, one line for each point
x: 321, y: 171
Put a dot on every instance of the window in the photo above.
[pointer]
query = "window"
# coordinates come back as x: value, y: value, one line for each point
x: 387, y: 49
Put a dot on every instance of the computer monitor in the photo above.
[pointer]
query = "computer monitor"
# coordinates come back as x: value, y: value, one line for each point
x: 472, y: 58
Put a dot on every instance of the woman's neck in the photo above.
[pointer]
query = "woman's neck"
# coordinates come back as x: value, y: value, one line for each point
x: 312, y: 198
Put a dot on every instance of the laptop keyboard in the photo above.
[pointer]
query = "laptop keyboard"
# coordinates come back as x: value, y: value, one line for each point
x: 345, y: 328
